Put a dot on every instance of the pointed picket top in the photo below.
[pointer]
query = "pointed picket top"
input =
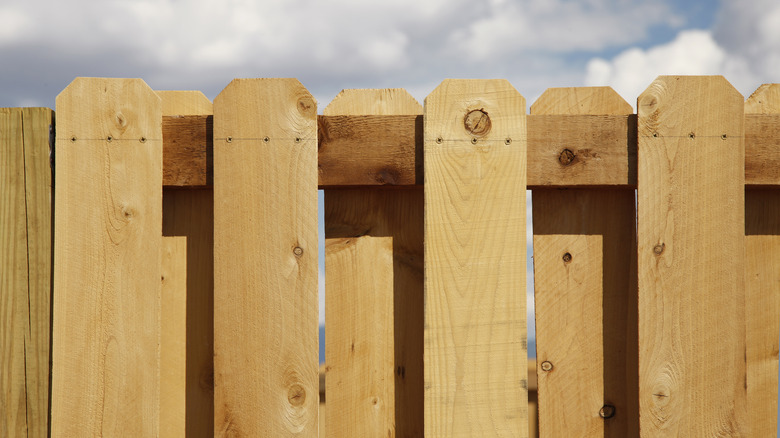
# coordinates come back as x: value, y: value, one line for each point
x: 663, y: 103
x: 132, y: 105
x: 765, y: 100
x: 468, y: 109
x: 581, y: 100
x: 380, y: 102
x: 184, y: 103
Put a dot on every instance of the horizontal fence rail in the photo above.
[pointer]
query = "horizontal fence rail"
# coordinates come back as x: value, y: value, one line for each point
x: 159, y: 311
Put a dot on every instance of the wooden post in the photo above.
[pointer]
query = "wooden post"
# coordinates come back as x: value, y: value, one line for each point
x: 108, y: 210
x: 586, y: 339
x: 265, y: 259
x: 762, y: 307
x: 691, y: 188
x: 475, y: 257
x: 398, y: 367
x: 190, y: 213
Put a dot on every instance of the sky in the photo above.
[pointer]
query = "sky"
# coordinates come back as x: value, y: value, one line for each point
x: 330, y: 45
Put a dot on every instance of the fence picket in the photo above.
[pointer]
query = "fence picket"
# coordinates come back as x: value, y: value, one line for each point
x: 398, y: 214
x: 108, y: 209
x: 762, y: 305
x: 190, y: 213
x: 475, y: 252
x: 173, y: 337
x: 265, y: 259
x: 585, y: 322
x: 691, y: 248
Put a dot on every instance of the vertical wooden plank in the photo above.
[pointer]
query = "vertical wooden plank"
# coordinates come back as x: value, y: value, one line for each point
x: 38, y: 194
x: 398, y: 214
x: 173, y: 337
x: 13, y: 275
x: 598, y: 315
x: 108, y: 210
x: 762, y: 305
x: 265, y: 259
x: 190, y: 213
x: 691, y: 197
x: 359, y: 338
x: 475, y: 250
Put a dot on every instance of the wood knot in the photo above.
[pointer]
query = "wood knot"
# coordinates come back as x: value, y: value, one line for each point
x: 306, y: 106
x: 566, y: 157
x: 477, y: 123
x: 296, y: 395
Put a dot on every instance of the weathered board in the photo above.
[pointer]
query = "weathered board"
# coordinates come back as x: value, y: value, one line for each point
x: 190, y: 213
x: 265, y: 259
x: 350, y: 213
x: 762, y: 304
x: 691, y: 264
x: 108, y: 209
x: 475, y: 258
x: 585, y: 323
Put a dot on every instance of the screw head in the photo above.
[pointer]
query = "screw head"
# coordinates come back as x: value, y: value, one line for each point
x: 567, y: 257
x: 439, y: 140
x: 607, y: 411
x: 298, y: 251
x: 229, y: 139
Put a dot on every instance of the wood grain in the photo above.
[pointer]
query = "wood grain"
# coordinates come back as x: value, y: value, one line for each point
x: 351, y: 213
x: 190, y: 213
x: 265, y: 259
x: 173, y: 337
x: 586, y: 325
x: 475, y: 257
x: 379, y: 150
x: 38, y: 205
x: 108, y: 207
x: 691, y: 258
x: 359, y: 337
x: 14, y: 310
x: 762, y: 306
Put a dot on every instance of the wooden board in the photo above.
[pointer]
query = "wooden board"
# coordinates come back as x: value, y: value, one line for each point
x: 265, y: 259
x: 690, y: 254
x: 359, y: 337
x: 762, y: 306
x: 14, y: 311
x: 351, y: 213
x: 173, y: 337
x: 39, y: 203
x: 108, y: 210
x: 475, y: 257
x: 585, y: 324
x: 386, y: 150
x: 190, y: 213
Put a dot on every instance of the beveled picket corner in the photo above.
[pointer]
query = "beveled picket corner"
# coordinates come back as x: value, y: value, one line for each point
x: 647, y: 320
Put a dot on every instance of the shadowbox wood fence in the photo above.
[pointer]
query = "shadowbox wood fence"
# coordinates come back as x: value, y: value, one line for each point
x: 161, y: 280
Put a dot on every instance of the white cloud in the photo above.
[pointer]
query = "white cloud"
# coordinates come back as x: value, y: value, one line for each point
x: 14, y: 24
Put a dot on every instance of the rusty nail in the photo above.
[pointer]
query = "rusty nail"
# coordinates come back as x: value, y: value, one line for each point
x: 659, y: 249
x: 547, y: 366
x: 607, y: 411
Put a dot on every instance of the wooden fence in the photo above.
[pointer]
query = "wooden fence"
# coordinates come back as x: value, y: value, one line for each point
x: 184, y: 262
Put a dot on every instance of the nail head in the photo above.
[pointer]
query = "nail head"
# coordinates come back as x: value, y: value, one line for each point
x: 547, y: 366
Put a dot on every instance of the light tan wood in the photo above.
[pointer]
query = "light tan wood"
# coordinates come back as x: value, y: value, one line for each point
x: 184, y: 102
x: 602, y: 369
x: 569, y: 334
x: 359, y: 337
x: 475, y: 257
x: 399, y: 214
x: 762, y: 306
x: 265, y: 259
x: 190, y: 213
x: 14, y: 311
x: 108, y: 209
x: 173, y: 337
x: 38, y: 183
x: 691, y: 258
